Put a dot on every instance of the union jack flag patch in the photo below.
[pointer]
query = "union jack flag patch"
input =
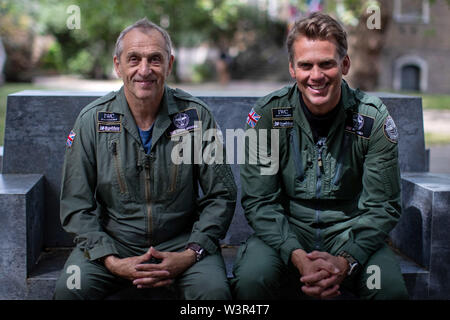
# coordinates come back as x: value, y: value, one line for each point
x: 70, y: 138
x: 253, y: 118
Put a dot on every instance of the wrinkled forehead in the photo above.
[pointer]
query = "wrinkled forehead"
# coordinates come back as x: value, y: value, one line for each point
x: 144, y: 37
x: 144, y: 41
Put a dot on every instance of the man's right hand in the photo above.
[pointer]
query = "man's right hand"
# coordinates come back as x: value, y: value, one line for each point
x: 126, y: 268
x: 323, y: 272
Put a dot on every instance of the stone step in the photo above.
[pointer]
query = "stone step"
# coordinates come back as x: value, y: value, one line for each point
x: 42, y: 279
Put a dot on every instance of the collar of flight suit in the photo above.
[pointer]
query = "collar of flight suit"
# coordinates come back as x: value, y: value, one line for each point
x: 347, y: 102
x: 167, y: 108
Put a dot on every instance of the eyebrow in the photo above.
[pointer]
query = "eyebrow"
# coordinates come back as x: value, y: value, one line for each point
x: 299, y: 62
x: 134, y: 53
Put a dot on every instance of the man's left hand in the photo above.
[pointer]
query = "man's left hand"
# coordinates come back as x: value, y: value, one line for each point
x: 328, y: 287
x: 173, y: 262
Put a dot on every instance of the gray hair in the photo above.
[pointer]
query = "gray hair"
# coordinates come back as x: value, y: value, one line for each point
x: 143, y: 24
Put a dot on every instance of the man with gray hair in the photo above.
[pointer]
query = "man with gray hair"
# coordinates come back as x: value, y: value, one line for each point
x: 138, y: 219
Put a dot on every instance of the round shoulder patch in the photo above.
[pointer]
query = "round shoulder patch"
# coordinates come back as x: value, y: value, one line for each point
x: 390, y: 129
x: 181, y: 120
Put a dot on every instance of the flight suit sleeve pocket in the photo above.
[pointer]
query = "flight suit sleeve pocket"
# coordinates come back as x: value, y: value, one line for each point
x: 390, y: 175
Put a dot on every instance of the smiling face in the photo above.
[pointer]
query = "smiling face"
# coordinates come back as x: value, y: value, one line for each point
x: 143, y: 65
x: 318, y: 70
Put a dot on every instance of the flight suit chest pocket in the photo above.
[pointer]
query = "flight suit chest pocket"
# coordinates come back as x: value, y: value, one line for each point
x: 346, y: 178
x: 168, y: 172
x: 118, y: 170
x: 297, y: 161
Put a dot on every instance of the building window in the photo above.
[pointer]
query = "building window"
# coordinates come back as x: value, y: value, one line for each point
x: 412, y: 11
x: 410, y: 74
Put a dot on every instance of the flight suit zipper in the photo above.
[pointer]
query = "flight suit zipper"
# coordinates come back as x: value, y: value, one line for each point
x: 320, y: 145
x: 147, y: 167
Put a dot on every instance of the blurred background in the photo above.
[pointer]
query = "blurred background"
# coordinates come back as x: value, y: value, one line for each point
x: 231, y: 47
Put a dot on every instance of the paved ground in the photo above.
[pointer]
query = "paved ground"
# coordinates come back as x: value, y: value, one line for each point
x: 434, y: 121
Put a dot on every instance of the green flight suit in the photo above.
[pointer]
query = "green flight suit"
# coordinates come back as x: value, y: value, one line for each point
x: 118, y: 200
x: 341, y: 195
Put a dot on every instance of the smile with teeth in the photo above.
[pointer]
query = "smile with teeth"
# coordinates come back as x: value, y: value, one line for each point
x: 317, y: 87
x: 145, y: 82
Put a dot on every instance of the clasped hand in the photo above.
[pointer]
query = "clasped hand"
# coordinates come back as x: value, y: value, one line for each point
x: 322, y: 273
x: 151, y: 275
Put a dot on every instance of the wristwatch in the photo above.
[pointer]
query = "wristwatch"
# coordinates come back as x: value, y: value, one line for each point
x: 352, y: 263
x: 200, y: 253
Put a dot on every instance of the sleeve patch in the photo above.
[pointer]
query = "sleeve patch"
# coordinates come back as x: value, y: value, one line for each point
x: 390, y: 129
x: 70, y: 138
x: 253, y: 118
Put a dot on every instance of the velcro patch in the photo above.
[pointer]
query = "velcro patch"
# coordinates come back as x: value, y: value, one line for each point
x: 113, y: 127
x: 390, y: 129
x: 108, y: 122
x: 108, y: 117
x: 183, y: 122
x: 70, y: 138
x: 282, y: 117
x: 283, y: 123
x: 282, y: 113
x: 359, y: 124
x: 252, y: 118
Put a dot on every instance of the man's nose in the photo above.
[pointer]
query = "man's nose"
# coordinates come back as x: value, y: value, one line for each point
x: 316, y: 73
x: 144, y: 68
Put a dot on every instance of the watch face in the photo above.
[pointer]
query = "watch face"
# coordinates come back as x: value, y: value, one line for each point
x: 353, y: 268
x: 199, y: 251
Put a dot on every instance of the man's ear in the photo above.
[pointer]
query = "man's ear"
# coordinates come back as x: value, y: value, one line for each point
x: 291, y: 70
x: 345, y: 65
x: 169, y: 69
x: 116, y: 66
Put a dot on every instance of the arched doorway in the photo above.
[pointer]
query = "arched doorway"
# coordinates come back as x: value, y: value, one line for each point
x: 410, y: 78
x: 410, y: 74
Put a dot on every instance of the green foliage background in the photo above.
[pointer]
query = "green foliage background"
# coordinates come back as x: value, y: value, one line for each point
x: 88, y: 50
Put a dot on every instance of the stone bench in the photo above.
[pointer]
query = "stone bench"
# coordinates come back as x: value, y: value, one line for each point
x: 34, y: 247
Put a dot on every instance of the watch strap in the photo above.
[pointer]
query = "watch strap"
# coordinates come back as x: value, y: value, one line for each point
x: 200, y: 253
x: 352, y: 262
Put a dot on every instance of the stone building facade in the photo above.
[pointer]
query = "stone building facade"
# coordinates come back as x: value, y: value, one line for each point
x: 416, y: 55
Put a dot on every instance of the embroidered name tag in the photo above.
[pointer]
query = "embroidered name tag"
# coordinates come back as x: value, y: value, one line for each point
x: 183, y: 122
x: 108, y: 122
x: 359, y: 124
x: 108, y: 117
x: 115, y: 127
x: 283, y: 123
x: 282, y: 113
x: 282, y: 118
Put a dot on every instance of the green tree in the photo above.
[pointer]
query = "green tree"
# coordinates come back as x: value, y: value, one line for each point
x: 365, y: 44
x: 88, y: 50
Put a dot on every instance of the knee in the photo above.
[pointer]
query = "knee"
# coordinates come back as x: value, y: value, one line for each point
x: 256, y: 277
x: 255, y: 283
x: 393, y: 288
x: 65, y: 290
x: 77, y: 284
x: 211, y: 289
